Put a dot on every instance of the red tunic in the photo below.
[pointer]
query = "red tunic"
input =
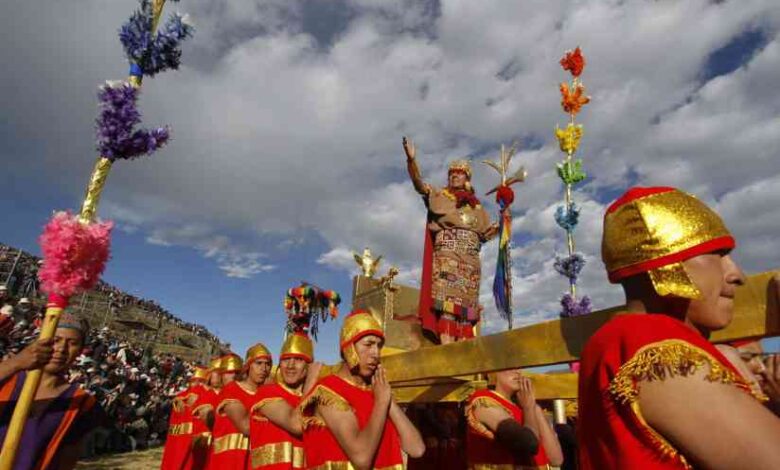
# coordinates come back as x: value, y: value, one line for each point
x: 322, y: 448
x: 273, y: 448
x: 230, y: 448
x: 482, y: 451
x: 176, y: 455
x: 201, y: 434
x: 611, y: 430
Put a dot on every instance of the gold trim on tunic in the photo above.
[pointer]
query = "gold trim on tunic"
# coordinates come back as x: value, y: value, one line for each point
x: 276, y: 453
x: 202, y: 440
x: 180, y: 429
x: 507, y: 466
x: 348, y: 466
x: 235, y: 441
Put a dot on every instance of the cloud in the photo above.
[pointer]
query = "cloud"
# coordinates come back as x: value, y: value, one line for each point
x: 282, y: 130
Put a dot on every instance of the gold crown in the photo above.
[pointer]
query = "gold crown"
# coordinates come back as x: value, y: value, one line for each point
x: 257, y: 351
x: 297, y: 345
x: 357, y: 325
x: 653, y: 230
x: 460, y: 165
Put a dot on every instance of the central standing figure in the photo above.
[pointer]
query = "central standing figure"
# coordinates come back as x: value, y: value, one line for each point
x: 457, y: 226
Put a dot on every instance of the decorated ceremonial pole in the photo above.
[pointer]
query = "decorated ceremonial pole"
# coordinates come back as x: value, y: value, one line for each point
x: 76, y: 247
x: 502, y: 281
x: 570, y: 171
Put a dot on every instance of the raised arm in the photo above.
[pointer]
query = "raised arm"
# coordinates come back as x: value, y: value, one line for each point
x: 414, y: 172
x: 360, y: 445
x: 411, y: 440
x: 283, y: 415
x: 715, y: 425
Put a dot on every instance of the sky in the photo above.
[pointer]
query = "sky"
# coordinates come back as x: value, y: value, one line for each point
x: 287, y: 118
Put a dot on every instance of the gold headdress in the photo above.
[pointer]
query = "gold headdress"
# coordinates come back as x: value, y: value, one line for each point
x: 200, y: 373
x: 231, y: 363
x: 258, y: 351
x: 653, y: 230
x: 460, y: 165
x: 356, y: 326
x: 215, y: 365
x: 297, y: 344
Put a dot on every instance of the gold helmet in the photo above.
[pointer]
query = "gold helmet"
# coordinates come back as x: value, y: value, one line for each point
x: 258, y: 351
x: 215, y: 365
x: 200, y: 373
x: 356, y: 326
x: 653, y: 230
x: 299, y: 345
x: 231, y: 363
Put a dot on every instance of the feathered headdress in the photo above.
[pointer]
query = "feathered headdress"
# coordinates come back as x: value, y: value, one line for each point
x: 306, y: 305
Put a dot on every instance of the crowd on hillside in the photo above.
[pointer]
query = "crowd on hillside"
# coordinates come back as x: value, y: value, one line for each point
x: 23, y: 281
x: 133, y: 386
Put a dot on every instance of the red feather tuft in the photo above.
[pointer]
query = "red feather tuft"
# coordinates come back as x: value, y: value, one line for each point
x: 74, y: 254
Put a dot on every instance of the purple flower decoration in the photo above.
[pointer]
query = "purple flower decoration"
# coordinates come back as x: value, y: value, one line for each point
x: 116, y: 138
x: 153, y: 53
x: 570, y: 266
x: 567, y: 219
x: 573, y: 307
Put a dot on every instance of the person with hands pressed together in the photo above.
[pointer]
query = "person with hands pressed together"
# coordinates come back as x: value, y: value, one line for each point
x: 275, y: 424
x: 350, y: 417
x: 61, y: 413
x: 507, y: 427
x: 229, y: 446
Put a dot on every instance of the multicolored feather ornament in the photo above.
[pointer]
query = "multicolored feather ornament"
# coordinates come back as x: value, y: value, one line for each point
x: 505, y: 196
x: 307, y: 305
x: 570, y: 172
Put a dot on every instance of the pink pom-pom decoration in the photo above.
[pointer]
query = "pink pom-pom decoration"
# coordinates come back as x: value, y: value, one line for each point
x: 74, y: 254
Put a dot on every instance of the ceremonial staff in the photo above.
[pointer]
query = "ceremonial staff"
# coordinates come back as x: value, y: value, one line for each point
x: 76, y: 247
x: 570, y: 171
x: 502, y: 281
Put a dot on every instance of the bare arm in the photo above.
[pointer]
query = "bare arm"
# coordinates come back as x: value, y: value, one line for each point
x: 549, y: 439
x: 414, y: 172
x: 206, y: 414
x: 283, y: 415
x: 722, y: 428
x: 360, y: 445
x: 491, y: 417
x: 527, y: 400
x: 237, y: 415
x: 411, y: 440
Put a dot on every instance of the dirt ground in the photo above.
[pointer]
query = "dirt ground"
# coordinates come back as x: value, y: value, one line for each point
x: 143, y: 460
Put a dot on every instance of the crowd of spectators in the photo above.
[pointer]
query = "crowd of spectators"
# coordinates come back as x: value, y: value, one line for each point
x: 22, y: 279
x: 133, y: 386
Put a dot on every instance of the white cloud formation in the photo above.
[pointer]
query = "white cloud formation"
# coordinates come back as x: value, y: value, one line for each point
x: 276, y: 136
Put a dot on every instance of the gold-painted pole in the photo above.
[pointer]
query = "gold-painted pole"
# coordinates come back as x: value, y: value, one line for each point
x: 88, y: 211
x: 559, y: 411
x: 15, y: 428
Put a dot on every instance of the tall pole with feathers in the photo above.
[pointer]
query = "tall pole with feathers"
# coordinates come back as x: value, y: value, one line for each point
x: 76, y: 247
x: 502, y: 281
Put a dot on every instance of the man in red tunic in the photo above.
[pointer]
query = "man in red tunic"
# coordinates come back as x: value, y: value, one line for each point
x: 653, y: 392
x: 501, y: 433
x: 178, y: 443
x: 229, y: 446
x: 345, y: 416
x: 275, y: 436
x: 203, y: 415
